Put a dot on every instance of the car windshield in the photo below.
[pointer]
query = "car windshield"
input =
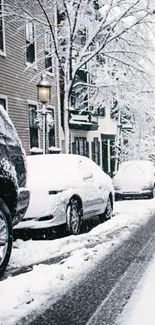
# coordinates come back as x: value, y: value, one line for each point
x: 138, y: 169
x: 133, y: 170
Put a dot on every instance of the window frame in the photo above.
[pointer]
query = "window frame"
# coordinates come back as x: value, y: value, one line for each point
x: 50, y: 73
x: 6, y: 100
x: 34, y: 63
x: 76, y: 146
x: 33, y: 103
x: 96, y: 151
x: 52, y: 109
x: 3, y: 52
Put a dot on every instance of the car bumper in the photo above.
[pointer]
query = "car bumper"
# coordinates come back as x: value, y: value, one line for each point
x: 57, y: 217
x: 120, y: 193
x: 23, y: 199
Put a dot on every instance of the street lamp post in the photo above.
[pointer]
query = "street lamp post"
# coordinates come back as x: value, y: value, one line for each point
x: 44, y: 95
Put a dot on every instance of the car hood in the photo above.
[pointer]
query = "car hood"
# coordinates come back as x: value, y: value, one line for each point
x: 126, y: 181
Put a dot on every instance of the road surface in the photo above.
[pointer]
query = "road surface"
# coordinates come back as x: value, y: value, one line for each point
x: 101, y: 296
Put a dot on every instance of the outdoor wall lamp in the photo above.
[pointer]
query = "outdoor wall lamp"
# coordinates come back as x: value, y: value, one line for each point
x: 44, y: 95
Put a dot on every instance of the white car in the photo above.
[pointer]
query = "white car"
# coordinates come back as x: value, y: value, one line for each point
x: 135, y: 178
x: 66, y: 189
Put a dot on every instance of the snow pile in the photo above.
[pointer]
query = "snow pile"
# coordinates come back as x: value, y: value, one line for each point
x: 140, y: 308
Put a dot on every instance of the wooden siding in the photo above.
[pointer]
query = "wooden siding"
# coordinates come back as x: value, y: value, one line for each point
x: 19, y: 84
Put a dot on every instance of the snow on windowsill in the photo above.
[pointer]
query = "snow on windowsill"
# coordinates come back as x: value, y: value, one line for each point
x: 36, y: 150
x: 80, y: 122
x: 52, y: 148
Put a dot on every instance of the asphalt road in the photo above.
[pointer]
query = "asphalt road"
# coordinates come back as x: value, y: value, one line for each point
x: 101, y: 296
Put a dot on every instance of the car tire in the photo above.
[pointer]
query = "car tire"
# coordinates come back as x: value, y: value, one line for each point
x: 74, y: 214
x: 6, y: 236
x: 108, y: 212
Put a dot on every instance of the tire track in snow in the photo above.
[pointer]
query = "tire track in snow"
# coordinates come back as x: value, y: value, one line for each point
x: 101, y: 296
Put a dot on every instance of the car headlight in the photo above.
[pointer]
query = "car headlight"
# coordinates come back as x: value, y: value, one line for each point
x: 148, y: 185
x: 117, y: 187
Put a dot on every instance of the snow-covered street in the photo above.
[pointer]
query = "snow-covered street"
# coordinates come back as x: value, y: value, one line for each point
x: 47, y: 281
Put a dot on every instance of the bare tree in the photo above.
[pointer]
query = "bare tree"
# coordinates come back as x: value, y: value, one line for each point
x: 93, y: 35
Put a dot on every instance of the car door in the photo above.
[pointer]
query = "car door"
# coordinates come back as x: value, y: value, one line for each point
x: 92, y: 196
x: 102, y: 181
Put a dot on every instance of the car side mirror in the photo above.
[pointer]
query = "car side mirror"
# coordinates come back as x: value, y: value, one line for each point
x: 87, y: 175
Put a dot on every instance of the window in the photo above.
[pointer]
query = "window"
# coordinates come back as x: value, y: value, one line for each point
x: 3, y: 102
x: 108, y: 153
x: 100, y: 111
x: 48, y: 52
x: 82, y: 36
x: 96, y: 151
x: 30, y: 42
x: 114, y: 110
x: 80, y: 147
x: 2, y: 45
x: 32, y: 109
x: 50, y: 128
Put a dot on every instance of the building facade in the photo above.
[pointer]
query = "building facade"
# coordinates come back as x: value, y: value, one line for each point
x: 23, y: 56
x: 94, y: 136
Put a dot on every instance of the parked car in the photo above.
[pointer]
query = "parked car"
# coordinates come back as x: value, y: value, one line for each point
x: 135, y: 178
x: 66, y: 189
x: 14, y: 196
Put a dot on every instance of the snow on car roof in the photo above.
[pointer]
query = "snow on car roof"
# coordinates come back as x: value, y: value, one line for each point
x: 53, y: 159
x: 141, y: 163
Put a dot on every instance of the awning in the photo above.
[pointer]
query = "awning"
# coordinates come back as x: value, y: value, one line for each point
x: 108, y: 136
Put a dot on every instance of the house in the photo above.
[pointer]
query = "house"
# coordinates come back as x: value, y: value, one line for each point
x: 93, y: 130
x: 94, y: 136
x: 24, y: 54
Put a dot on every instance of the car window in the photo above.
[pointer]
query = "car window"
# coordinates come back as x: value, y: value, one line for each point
x: 90, y: 166
x: 85, y: 170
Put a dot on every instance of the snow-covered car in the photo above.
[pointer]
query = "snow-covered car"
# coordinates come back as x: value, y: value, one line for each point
x: 135, y: 178
x: 66, y: 189
x: 14, y: 196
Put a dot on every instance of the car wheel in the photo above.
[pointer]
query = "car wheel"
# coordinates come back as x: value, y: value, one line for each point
x: 5, y: 236
x: 74, y: 217
x: 108, y: 212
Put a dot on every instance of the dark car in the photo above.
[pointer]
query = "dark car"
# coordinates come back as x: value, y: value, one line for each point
x: 14, y: 196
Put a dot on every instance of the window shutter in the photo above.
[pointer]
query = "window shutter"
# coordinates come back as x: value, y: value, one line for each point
x: 98, y: 153
x: 87, y: 149
x: 93, y: 150
x: 73, y: 148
